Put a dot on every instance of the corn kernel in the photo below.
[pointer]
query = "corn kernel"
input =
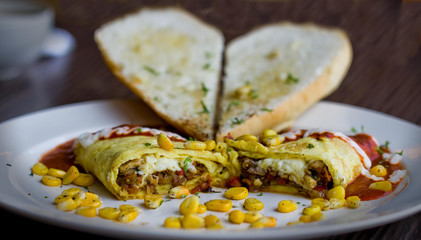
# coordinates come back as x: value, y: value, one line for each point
x: 195, y: 145
x: 127, y: 216
x: 39, y: 169
x: 294, y: 223
x: 201, y: 209
x: 71, y: 174
x: 336, y: 203
x: 311, y: 210
x: 110, y: 213
x: 257, y: 224
x: 253, y: 204
x: 219, y: 205
x: 210, y: 145
x: 56, y: 173
x: 286, y: 206
x: 91, y: 200
x: 247, y: 137
x: 128, y: 207
x: 84, y: 180
x: 353, y: 202
x: 67, y: 204
x: 236, y: 216
x: 236, y: 193
x: 192, y: 221
x: 268, y: 133
x: 317, y: 217
x: 252, y: 216
x: 220, y: 146
x: 266, y: 221
x: 165, y: 142
x: 216, y: 226
x: 385, y: 186
x: 323, y: 203
x: 179, y: 192
x: 211, y: 220
x: 79, y: 197
x: 70, y: 191
x: 272, y: 141
x: 172, y: 222
x: 378, y: 171
x: 336, y: 192
x: 305, y: 218
x: 51, y: 181
x: 86, y: 211
x: 153, y: 201
x: 190, y: 205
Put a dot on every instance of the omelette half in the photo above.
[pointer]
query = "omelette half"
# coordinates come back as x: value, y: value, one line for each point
x: 129, y: 162
x: 305, y: 163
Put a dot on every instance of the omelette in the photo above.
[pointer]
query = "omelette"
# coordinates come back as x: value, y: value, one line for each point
x: 130, y: 163
x: 306, y: 162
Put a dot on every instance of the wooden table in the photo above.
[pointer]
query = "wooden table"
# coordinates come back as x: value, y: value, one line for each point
x: 385, y: 74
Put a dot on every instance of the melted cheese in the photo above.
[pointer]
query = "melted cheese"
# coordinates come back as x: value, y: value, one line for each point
x: 293, y: 167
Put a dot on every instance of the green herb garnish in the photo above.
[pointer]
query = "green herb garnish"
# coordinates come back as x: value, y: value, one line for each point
x: 204, y: 89
x: 148, y: 144
x: 151, y: 70
x: 266, y: 109
x: 291, y: 79
x: 207, y: 66
x: 233, y: 103
x: 236, y: 121
x: 186, y: 162
x: 260, y: 194
x: 205, y: 109
x: 310, y: 146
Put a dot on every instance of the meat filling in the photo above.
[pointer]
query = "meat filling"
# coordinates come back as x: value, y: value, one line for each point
x: 317, y: 178
x: 133, y: 180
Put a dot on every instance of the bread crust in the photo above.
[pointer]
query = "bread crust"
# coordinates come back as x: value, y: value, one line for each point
x: 284, y: 115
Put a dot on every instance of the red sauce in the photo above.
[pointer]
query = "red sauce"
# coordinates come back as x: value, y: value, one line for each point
x: 60, y: 157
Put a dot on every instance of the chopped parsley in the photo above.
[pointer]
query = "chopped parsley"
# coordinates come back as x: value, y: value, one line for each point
x: 310, y: 146
x: 205, y: 109
x: 148, y: 144
x: 233, y: 103
x: 236, y: 121
x: 151, y: 70
x: 253, y: 94
x: 186, y: 162
x: 355, y: 131
x: 139, y: 130
x: 206, y: 66
x: 266, y: 109
x: 205, y: 90
x: 208, y: 55
x: 260, y: 194
x: 291, y: 79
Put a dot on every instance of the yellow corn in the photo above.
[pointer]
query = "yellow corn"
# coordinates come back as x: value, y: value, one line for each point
x: 67, y: 204
x: 336, y: 203
x: 111, y: 213
x: 317, y: 217
x: 236, y: 216
x: 311, y: 210
x: 305, y: 218
x: 219, y: 205
x: 294, y: 223
x: 216, y: 226
x: 378, y: 171
x: 268, y: 133
x: 51, y: 181
x: 201, y: 209
x: 253, y: 204
x: 323, y: 203
x: 243, y: 92
x: 91, y: 200
x: 70, y: 191
x: 86, y: 211
x: 252, y: 216
x: 353, y: 202
x: 127, y: 216
x: 272, y: 141
x: 165, y: 142
x: 385, y: 186
x: 39, y: 169
x: 211, y: 220
x: 286, y: 206
x: 56, y: 172
x: 236, y: 193
x: 153, y: 201
x: 190, y: 205
x: 257, y: 224
x: 266, y: 221
x: 172, y: 222
x: 128, y: 207
x: 336, y: 192
x: 195, y: 145
x: 71, y: 174
x: 220, y: 146
x: 84, y: 180
x: 79, y: 197
x: 179, y: 192
x: 192, y: 221
x: 247, y: 137
x: 210, y: 145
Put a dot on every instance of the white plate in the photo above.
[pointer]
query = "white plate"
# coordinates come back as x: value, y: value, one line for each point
x: 24, y: 139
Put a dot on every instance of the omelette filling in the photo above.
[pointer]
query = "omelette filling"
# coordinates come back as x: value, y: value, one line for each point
x: 309, y: 177
x: 159, y: 175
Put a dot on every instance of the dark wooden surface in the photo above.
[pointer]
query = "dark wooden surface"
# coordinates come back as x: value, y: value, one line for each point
x: 385, y: 74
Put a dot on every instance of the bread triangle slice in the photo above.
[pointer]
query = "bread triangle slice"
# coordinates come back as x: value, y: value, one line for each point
x: 274, y: 73
x: 172, y: 60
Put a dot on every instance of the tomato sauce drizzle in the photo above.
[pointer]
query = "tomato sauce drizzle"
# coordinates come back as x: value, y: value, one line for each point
x: 61, y: 157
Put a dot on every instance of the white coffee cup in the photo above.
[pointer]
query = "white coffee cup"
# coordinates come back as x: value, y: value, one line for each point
x: 24, y: 25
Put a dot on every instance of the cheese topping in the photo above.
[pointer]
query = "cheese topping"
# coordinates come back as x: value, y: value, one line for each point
x: 154, y: 164
x: 293, y: 167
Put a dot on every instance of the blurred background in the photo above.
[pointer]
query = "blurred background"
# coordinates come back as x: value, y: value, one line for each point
x: 385, y: 74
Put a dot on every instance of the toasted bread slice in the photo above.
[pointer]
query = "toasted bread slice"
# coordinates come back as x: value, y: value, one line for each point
x: 274, y: 73
x: 172, y: 60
